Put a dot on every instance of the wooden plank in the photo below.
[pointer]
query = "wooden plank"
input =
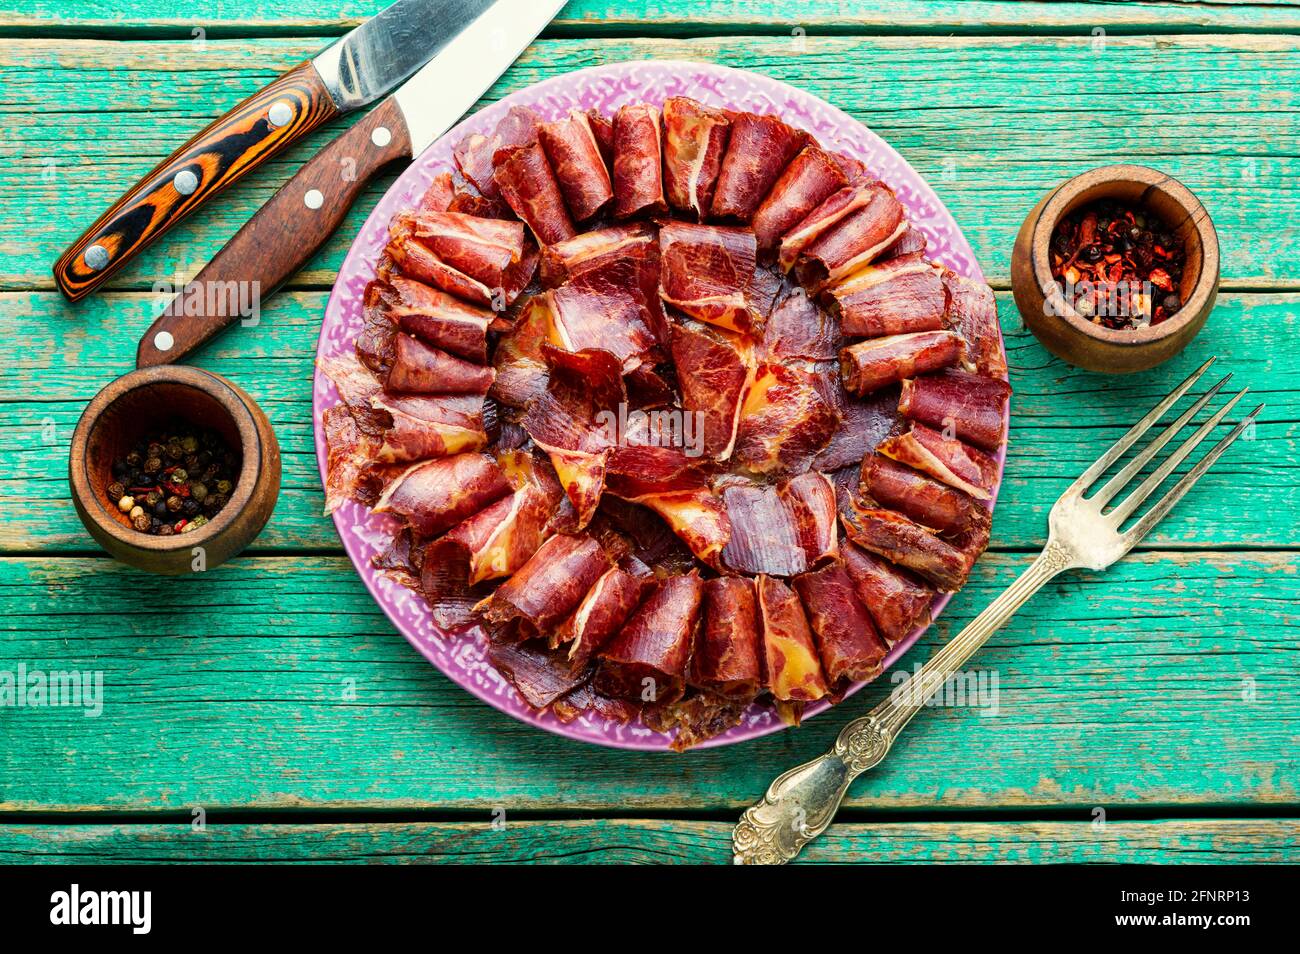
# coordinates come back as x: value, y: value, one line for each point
x: 276, y: 683
x: 651, y: 17
x: 1211, y: 110
x: 1062, y: 418
x: 635, y: 841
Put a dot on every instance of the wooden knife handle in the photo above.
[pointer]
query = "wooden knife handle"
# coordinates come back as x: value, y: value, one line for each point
x: 283, y: 235
x: 238, y: 142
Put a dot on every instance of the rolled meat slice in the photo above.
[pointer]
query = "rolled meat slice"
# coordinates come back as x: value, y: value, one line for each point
x: 792, y: 667
x: 974, y: 314
x: 429, y: 425
x: 947, y: 460
x: 438, y: 318
x: 907, y: 543
x: 695, y: 140
x: 727, y: 646
x: 714, y: 369
x: 667, y: 482
x: 878, y: 362
x: 785, y: 420
x: 911, y: 242
x: 834, y: 209
x: 850, y: 647
x: 526, y: 182
x: 898, y: 601
x: 483, y: 249
x: 636, y: 241
x: 521, y: 369
x: 609, y: 604
x: 706, y: 270
x: 574, y: 154
x: 807, y: 181
x: 475, y: 154
x: 434, y: 496
x: 810, y: 499
x: 893, y: 297
x: 546, y: 589
x: 758, y: 150
x: 942, y: 508
x: 500, y: 539
x: 854, y: 241
x: 604, y: 308
x: 647, y: 660
x: 969, y: 405
x: 423, y: 369
x: 638, y: 162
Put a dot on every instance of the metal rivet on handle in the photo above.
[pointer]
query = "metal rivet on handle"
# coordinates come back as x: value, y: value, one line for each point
x: 163, y: 341
x: 313, y: 199
x: 96, y: 257
x: 185, y: 182
x: 380, y: 136
x: 279, y: 113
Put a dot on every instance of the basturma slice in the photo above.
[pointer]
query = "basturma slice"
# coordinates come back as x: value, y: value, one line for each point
x: 905, y: 542
x: 542, y: 676
x: 551, y: 584
x: 793, y: 668
x: 854, y: 241
x: 810, y: 178
x: 833, y: 210
x: 974, y: 315
x: 429, y: 425
x: 635, y: 241
x: 942, y: 508
x: 638, y: 162
x: 419, y: 368
x: 759, y: 148
x: 436, y: 317
x: 851, y: 648
x: 435, y: 495
x: 607, y: 606
x: 879, y: 362
x: 604, y: 308
x: 574, y: 154
x: 714, y: 369
x: 666, y: 481
x: 897, y: 600
x: 894, y: 297
x: 475, y: 154
x: 528, y: 185
x: 521, y: 370
x: 810, y: 498
x: 726, y: 656
x: 647, y: 660
x: 945, y: 459
x: 784, y: 422
x: 798, y: 329
x: 456, y: 253
x: 706, y: 270
x: 764, y: 534
x: 970, y: 404
x: 695, y: 140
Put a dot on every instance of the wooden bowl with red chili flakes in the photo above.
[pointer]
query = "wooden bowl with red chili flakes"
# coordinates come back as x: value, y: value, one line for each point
x: 1116, y: 269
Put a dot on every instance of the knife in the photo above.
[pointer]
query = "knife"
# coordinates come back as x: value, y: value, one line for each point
x: 353, y: 72
x: 297, y: 220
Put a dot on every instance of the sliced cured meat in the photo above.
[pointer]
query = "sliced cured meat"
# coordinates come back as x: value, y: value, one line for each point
x: 854, y: 241
x: 438, y: 318
x: 483, y: 249
x: 439, y: 195
x: 667, y: 482
x: 907, y: 543
x: 638, y: 162
x: 541, y: 676
x: 878, y: 362
x: 602, y: 127
x: 894, y: 297
x: 525, y: 180
x: 758, y: 150
x: 936, y: 505
x: 798, y: 329
x: 726, y: 656
x: 974, y: 314
x: 604, y: 308
x: 792, y: 666
x: 378, y: 334
x: 647, y: 660
x: 636, y: 241
x: 434, y: 496
x: 714, y: 369
x: 764, y: 532
x: 420, y: 426
x: 574, y: 154
x: 695, y: 140
x: 475, y: 154
x: 945, y: 459
x: 349, y: 456
x: 833, y: 210
x: 865, y: 424
x: 911, y: 242
x: 551, y: 584
x: 423, y: 369
x: 585, y: 698
x: 785, y: 421
x: 500, y: 539
x: 521, y: 370
x: 810, y: 498
x: 969, y: 405
x: 609, y: 604
x: 706, y: 270
x: 653, y: 541
x: 898, y: 601
x: 851, y: 649
x: 807, y: 181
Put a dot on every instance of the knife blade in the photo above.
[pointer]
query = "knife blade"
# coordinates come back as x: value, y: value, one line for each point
x: 286, y: 232
x: 354, y: 71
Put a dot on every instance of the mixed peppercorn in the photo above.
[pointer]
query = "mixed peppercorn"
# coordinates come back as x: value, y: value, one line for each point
x: 174, y: 481
x: 1119, y: 266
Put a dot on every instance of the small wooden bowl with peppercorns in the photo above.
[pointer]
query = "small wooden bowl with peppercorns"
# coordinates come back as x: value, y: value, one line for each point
x: 1117, y: 269
x: 173, y: 469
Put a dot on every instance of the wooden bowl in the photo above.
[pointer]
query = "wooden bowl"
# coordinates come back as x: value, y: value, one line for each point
x: 132, y: 406
x: 1076, y: 339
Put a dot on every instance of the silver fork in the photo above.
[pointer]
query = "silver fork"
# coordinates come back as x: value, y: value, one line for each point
x: 801, y: 803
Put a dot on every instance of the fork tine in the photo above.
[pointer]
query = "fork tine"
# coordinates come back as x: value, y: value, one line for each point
x: 1176, y: 493
x: 1090, y: 475
x: 1120, y: 480
x: 1134, y: 500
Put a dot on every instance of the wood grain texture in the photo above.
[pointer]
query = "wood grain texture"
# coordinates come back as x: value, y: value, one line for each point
x: 277, y: 683
x: 993, y: 123
x: 1062, y: 417
x: 635, y: 841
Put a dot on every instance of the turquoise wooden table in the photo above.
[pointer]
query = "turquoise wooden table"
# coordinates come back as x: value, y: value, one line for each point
x: 267, y: 710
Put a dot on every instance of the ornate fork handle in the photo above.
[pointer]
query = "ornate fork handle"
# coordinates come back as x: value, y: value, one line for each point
x: 802, y: 802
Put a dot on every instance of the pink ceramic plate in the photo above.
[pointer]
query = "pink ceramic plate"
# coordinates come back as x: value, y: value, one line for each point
x: 606, y: 88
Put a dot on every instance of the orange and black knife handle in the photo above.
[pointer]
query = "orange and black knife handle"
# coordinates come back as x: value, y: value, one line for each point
x: 242, y: 139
